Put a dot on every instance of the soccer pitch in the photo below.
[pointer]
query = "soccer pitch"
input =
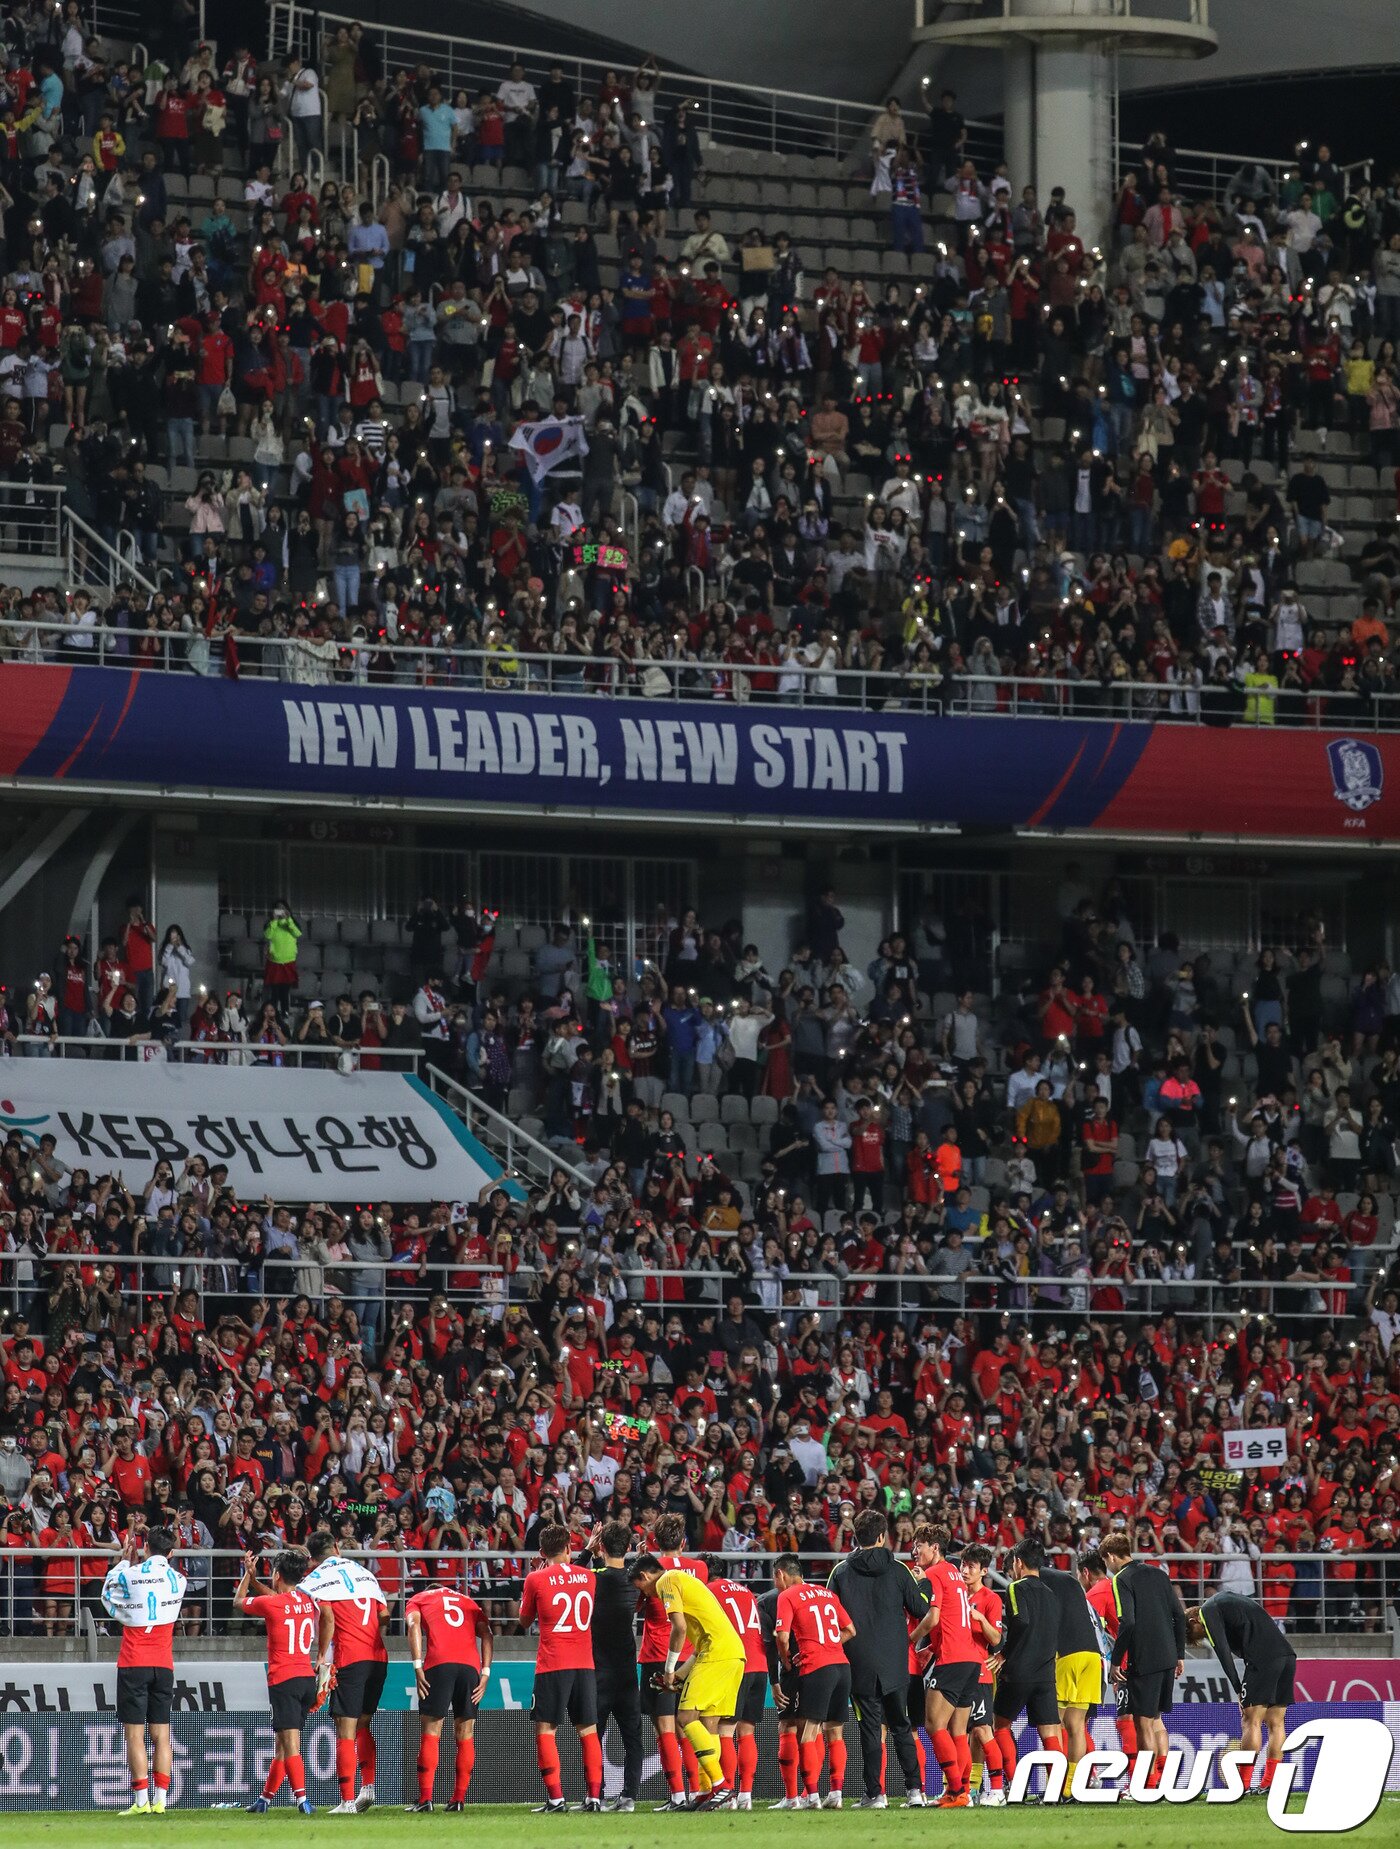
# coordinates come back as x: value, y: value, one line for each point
x: 1072, y: 1826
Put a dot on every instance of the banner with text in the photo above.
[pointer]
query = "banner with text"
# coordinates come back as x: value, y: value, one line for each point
x: 295, y: 1135
x: 761, y: 760
x: 1256, y: 1447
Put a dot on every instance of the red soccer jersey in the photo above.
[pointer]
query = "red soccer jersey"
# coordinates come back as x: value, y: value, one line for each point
x: 1100, y: 1596
x: 656, y: 1626
x: 560, y: 1599
x: 357, y: 1637
x: 988, y: 1604
x: 146, y: 1646
x: 449, y: 1620
x: 954, y: 1631
x: 290, y: 1618
x: 742, y: 1609
x: 813, y: 1618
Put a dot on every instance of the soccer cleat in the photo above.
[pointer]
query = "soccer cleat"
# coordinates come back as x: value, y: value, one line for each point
x: 593, y: 1805
x: 365, y: 1801
x: 305, y: 1807
x: 424, y: 1804
x: 718, y: 1797
x: 787, y: 1804
x: 141, y: 1808
x: 743, y: 1800
x: 455, y: 1807
x: 993, y: 1800
x: 158, y: 1807
x: 676, y: 1801
x: 832, y: 1801
x: 258, y: 1806
x: 345, y: 1808
x: 953, y: 1801
x: 552, y: 1807
x: 916, y: 1800
x: 616, y: 1805
x: 880, y: 1803
x: 812, y: 1800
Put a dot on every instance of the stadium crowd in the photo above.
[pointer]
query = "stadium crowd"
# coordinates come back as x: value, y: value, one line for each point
x: 1021, y: 455
x: 812, y: 1244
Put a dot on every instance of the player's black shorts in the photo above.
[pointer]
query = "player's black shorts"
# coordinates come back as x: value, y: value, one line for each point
x: 1038, y: 1699
x: 291, y: 1700
x: 145, y: 1695
x: 451, y: 1688
x: 980, y: 1713
x: 658, y: 1704
x: 1120, y: 1697
x: 955, y: 1682
x: 825, y: 1694
x: 1270, y: 1686
x: 359, y: 1689
x: 565, y: 1694
x: 753, y: 1697
x: 1150, y: 1695
x: 788, y: 1680
x: 915, y: 1698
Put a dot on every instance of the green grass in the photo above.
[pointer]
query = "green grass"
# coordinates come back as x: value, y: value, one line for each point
x: 1125, y: 1826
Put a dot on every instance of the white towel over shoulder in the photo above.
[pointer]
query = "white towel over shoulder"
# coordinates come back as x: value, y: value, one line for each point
x: 150, y: 1592
x: 336, y: 1579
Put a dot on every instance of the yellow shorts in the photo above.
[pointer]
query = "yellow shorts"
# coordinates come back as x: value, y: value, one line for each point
x: 1079, y: 1679
x: 712, y: 1686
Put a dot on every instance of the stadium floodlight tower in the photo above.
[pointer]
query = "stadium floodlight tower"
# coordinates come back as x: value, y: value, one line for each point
x: 1060, y: 81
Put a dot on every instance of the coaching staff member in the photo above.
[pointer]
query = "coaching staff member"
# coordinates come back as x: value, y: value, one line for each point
x: 615, y: 1653
x: 881, y: 1594
x: 1152, y: 1636
x: 1234, y: 1626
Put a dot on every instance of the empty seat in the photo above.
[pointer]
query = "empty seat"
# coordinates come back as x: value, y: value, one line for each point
x: 361, y: 979
x: 677, y: 1104
x: 336, y: 956
x: 704, y: 1109
x: 247, y: 957
x: 515, y: 963
x: 232, y: 925
x: 734, y: 1109
x: 531, y: 937
x: 764, y: 1111
x: 714, y: 1138
x: 649, y: 1091
x: 354, y: 930
x: 385, y: 931
x: 308, y: 955
x: 743, y: 1136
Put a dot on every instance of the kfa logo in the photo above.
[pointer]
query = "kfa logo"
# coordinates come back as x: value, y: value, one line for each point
x: 1358, y: 773
x: 1347, y: 1781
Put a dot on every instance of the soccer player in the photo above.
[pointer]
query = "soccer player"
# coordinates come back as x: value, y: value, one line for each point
x: 709, y: 1688
x: 678, y: 1762
x: 1152, y: 1629
x: 952, y: 1679
x: 559, y: 1597
x: 812, y: 1631
x: 292, y: 1620
x: 351, y: 1660
x: 1098, y: 1589
x: 1235, y: 1626
x: 659, y: 1702
x: 449, y: 1640
x: 881, y: 1595
x: 144, y: 1593
x: 986, y: 1634
x: 1024, y: 1660
x: 615, y: 1655
x: 784, y: 1685
x: 1078, y: 1661
x: 738, y: 1747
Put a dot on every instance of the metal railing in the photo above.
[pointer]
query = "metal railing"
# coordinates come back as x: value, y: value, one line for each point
x: 785, y: 122
x: 915, y: 1299
x: 295, y: 662
x: 101, y: 1045
x: 1211, y: 174
x: 58, y: 1591
x: 31, y: 519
